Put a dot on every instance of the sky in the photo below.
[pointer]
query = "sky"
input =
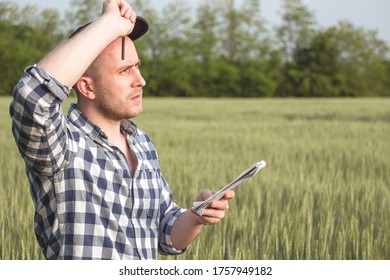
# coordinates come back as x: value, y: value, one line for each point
x: 367, y: 14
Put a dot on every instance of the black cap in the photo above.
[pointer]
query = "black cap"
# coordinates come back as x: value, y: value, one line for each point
x: 140, y: 28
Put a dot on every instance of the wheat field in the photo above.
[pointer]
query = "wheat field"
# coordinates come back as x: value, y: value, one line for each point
x: 324, y: 194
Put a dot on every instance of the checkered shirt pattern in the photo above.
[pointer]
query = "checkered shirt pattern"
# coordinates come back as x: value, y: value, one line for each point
x: 87, y: 203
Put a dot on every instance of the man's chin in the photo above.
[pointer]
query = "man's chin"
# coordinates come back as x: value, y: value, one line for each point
x: 135, y: 112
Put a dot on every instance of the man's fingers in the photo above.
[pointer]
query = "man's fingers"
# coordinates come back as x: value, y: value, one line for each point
x: 127, y: 12
x: 133, y: 17
x: 211, y: 216
x: 229, y: 195
x: 204, y: 195
x: 219, y: 205
x: 124, y: 8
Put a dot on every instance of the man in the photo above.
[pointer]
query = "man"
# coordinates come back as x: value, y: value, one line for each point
x: 94, y: 176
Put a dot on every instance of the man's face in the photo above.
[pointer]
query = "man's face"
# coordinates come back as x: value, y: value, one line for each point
x: 118, y: 83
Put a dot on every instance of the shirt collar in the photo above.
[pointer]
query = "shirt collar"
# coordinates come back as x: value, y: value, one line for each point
x: 81, y: 121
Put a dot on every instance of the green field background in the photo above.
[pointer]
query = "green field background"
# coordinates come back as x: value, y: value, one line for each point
x: 324, y: 194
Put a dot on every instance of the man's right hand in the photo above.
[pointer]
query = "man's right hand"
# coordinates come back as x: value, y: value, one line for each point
x: 121, y: 11
x: 69, y: 61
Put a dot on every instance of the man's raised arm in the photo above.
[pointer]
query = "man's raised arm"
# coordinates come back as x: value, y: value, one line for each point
x: 68, y: 61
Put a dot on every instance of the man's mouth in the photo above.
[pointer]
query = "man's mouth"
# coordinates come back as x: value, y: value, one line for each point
x: 136, y: 97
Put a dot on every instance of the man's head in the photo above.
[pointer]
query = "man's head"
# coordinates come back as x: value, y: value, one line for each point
x: 112, y: 87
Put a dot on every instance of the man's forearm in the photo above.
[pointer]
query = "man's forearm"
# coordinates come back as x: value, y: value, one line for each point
x: 68, y: 61
x: 188, y: 225
x: 185, y: 229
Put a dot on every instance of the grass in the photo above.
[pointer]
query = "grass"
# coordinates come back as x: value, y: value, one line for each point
x: 324, y: 194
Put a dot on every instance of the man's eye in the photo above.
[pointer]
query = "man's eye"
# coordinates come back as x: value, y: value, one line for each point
x: 129, y: 69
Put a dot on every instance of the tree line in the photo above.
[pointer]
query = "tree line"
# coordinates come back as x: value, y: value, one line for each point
x: 217, y: 49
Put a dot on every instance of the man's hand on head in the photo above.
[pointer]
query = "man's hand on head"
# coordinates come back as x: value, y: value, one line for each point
x: 120, y: 10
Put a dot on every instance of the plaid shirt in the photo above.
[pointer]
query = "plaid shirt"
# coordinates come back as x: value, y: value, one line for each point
x: 87, y: 203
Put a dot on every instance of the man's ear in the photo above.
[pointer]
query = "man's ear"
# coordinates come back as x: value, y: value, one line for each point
x: 85, y: 87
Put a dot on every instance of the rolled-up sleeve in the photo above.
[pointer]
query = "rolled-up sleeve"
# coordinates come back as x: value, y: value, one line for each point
x: 38, y: 121
x: 171, y: 213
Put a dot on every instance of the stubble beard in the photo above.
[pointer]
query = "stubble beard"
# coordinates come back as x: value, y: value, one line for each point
x: 114, y: 108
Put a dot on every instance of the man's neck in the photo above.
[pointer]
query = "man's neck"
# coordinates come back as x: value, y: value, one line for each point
x: 112, y: 128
